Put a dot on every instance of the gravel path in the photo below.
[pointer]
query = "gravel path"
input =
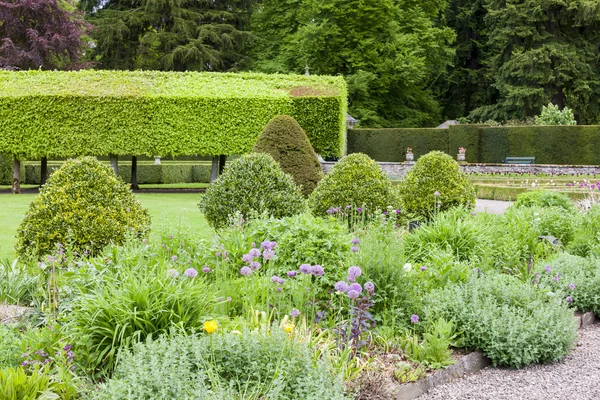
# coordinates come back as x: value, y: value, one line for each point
x: 492, y: 206
x: 577, y: 377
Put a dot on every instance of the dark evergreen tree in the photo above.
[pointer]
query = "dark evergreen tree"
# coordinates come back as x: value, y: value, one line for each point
x: 200, y: 35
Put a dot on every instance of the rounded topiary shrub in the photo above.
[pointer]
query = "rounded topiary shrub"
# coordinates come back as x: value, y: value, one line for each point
x: 84, y: 205
x: 285, y: 140
x: 357, y: 181
x: 252, y: 184
x: 435, y: 181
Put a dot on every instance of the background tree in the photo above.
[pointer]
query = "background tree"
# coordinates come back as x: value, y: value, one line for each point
x: 40, y: 34
x: 170, y: 35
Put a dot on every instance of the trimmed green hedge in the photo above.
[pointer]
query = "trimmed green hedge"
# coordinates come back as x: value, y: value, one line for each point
x: 465, y: 136
x: 64, y: 114
x: 390, y: 144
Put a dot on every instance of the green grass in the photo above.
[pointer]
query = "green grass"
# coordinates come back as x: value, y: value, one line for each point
x: 167, y: 210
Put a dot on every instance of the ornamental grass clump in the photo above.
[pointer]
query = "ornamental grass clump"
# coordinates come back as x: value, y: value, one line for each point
x: 285, y: 140
x: 251, y: 185
x: 436, y: 183
x: 355, y: 181
x: 84, y: 205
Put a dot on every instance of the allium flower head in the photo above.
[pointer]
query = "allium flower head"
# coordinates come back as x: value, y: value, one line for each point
x: 317, y: 270
x: 370, y: 287
x: 436, y: 194
x: 278, y: 280
x: 205, y: 269
x: 353, y: 294
x: 348, y: 207
x: 254, y: 252
x: 341, y: 286
x: 356, y: 287
x: 557, y: 278
x: 254, y: 265
x: 359, y: 209
x: 174, y: 258
x: 572, y: 286
x: 305, y: 268
x: 354, y: 249
x: 355, y: 241
x: 423, y: 268
x: 291, y: 274
x: 397, y: 211
x: 414, y: 319
x: 268, y: 254
x: 548, y: 268
x: 569, y: 299
x: 173, y: 273
x: 245, y: 271
x: 354, y: 272
x: 190, y: 273
x: 247, y: 258
x: 295, y: 313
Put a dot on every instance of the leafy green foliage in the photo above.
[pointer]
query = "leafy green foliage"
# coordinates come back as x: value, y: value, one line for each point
x: 434, y: 350
x: 513, y: 323
x: 250, y: 365
x: 85, y: 205
x: 162, y: 113
x: 17, y: 283
x: 587, y: 237
x: 552, y: 115
x: 285, y: 140
x: 10, y: 344
x: 435, y: 173
x: 140, y: 304
x: 545, y: 198
x: 252, y: 184
x: 357, y: 181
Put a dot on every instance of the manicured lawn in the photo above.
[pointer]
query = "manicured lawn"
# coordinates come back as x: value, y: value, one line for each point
x: 167, y: 210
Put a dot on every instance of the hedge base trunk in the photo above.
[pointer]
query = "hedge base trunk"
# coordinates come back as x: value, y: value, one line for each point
x: 214, y: 172
x: 44, y: 173
x: 114, y: 163
x: 16, y: 185
x: 222, y: 161
x: 134, y: 182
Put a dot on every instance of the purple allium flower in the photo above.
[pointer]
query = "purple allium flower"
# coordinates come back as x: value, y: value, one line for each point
x: 279, y: 289
x: 354, y: 272
x: 67, y: 347
x: 341, y: 286
x: 370, y: 287
x: 436, y: 194
x: 354, y: 249
x: 356, y: 287
x: 305, y: 268
x: 569, y: 299
x: 218, y: 254
x: 572, y: 286
x: 254, y: 252
x: 265, y: 245
x: 245, y: 271
x: 423, y: 268
x: 190, y: 273
x: 330, y: 211
x: 317, y: 270
x: 253, y: 245
x: 397, y: 211
x: 205, y: 269
x: 557, y: 278
x: 291, y: 274
x: 355, y: 241
x: 254, y: 265
x: 548, y: 268
x: 268, y: 254
x: 171, y: 237
x: 174, y: 258
x: 348, y: 207
x: 173, y: 273
x: 353, y: 294
x: 414, y: 319
x: 359, y: 209
x: 247, y: 258
x: 295, y: 313
x: 228, y: 299
x: 276, y: 279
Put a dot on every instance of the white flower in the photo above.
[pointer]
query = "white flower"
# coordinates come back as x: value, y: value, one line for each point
x: 407, y: 267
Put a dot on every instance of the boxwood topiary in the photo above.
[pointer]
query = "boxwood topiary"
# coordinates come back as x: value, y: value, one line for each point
x: 285, y: 140
x: 356, y: 180
x: 435, y: 181
x: 251, y: 184
x: 83, y: 204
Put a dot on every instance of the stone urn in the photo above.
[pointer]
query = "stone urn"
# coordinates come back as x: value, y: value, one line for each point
x: 410, y: 157
x: 460, y: 157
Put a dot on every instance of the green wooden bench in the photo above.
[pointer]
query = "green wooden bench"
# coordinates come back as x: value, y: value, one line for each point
x: 519, y: 160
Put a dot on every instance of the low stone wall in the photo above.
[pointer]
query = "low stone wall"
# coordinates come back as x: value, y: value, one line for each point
x: 398, y: 170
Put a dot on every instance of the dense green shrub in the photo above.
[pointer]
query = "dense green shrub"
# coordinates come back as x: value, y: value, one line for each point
x: 137, y: 305
x: 389, y: 145
x: 6, y: 171
x: 158, y: 113
x: 435, y: 184
x: 356, y: 181
x: 586, y: 241
x: 513, y: 323
x: 10, y: 344
x: 552, y: 115
x: 85, y: 205
x: 285, y: 140
x: 251, y: 184
x: 250, y: 365
x: 544, y: 198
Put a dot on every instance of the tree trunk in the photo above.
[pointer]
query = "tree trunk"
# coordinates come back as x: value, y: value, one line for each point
x: 222, y: 160
x: 559, y: 98
x: 16, y: 186
x: 114, y: 163
x: 134, y: 182
x: 44, y: 174
x: 214, y: 172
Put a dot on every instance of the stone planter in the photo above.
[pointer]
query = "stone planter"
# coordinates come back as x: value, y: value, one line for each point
x: 460, y: 157
x: 410, y: 157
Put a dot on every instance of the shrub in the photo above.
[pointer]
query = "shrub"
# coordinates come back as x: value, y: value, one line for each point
x: 544, y: 198
x: 552, y: 115
x: 285, y: 140
x: 83, y: 204
x: 586, y: 241
x: 251, y: 365
x: 118, y: 314
x: 433, y: 174
x: 10, y: 344
x: 357, y: 181
x: 513, y: 323
x: 252, y: 184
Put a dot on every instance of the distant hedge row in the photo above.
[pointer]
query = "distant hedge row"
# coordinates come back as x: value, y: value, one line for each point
x: 65, y: 114
x: 576, y: 145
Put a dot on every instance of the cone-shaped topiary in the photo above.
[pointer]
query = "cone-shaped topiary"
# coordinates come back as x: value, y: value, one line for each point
x: 356, y: 181
x: 435, y: 183
x: 285, y: 140
x: 253, y: 183
x: 84, y: 205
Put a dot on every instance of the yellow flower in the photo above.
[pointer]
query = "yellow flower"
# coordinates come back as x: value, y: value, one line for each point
x: 210, y: 326
x: 288, y: 328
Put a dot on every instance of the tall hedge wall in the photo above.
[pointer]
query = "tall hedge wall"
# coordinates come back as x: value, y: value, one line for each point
x: 65, y: 114
x: 390, y: 144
